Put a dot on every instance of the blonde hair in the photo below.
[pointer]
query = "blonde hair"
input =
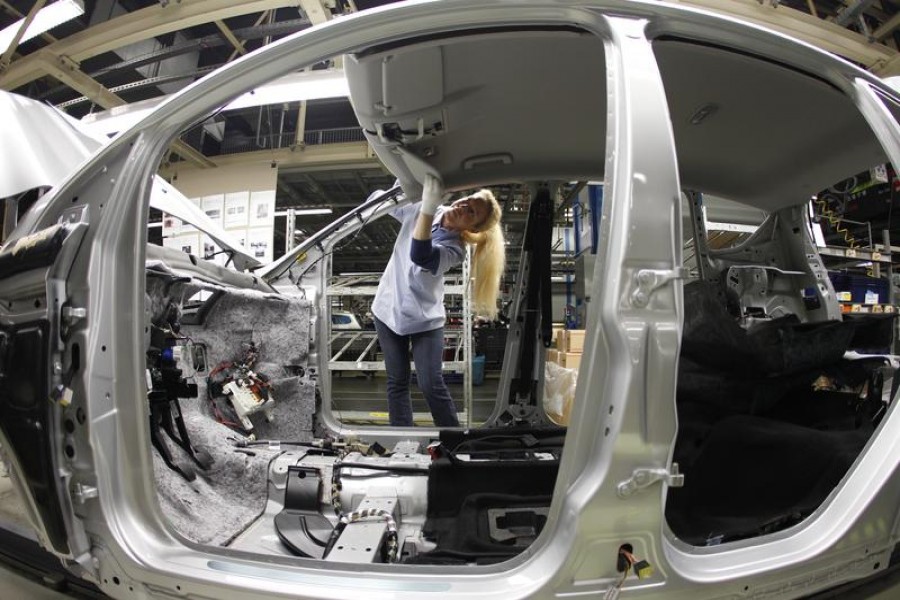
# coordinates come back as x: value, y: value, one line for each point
x: 489, y: 258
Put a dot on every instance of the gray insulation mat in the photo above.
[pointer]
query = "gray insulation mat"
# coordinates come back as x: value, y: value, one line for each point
x: 226, y: 499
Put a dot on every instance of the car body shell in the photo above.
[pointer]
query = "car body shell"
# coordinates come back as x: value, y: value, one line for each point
x: 108, y: 526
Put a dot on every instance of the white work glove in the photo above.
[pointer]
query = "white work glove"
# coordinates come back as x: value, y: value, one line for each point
x: 432, y: 194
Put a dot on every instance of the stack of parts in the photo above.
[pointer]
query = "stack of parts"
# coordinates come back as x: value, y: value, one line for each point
x: 561, y: 372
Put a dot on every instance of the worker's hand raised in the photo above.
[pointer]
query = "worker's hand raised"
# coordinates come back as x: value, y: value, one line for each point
x: 432, y: 193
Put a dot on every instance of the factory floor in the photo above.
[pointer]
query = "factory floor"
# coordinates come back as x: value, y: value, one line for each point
x: 361, y: 398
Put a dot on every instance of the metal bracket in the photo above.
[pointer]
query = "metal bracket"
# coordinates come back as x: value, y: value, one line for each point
x: 72, y: 315
x: 648, y: 280
x: 642, y: 478
x: 83, y: 493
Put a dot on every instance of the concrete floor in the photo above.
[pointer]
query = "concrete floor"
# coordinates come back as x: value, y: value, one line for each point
x: 358, y: 397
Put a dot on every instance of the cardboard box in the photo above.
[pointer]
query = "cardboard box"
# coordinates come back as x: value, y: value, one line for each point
x: 575, y: 340
x: 570, y: 360
x: 553, y: 356
x: 560, y: 342
x: 557, y: 333
x: 570, y: 340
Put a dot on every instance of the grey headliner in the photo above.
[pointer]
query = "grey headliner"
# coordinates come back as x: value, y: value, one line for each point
x: 534, y: 103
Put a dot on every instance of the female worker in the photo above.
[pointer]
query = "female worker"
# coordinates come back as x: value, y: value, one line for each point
x: 409, y: 304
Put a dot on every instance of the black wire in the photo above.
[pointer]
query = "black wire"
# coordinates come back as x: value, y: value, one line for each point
x: 467, y: 555
x: 891, y: 205
x: 501, y: 437
x: 396, y: 469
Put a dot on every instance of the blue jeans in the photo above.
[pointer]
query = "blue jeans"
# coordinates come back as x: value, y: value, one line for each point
x: 427, y: 352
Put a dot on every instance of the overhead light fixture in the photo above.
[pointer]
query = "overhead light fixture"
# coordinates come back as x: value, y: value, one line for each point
x: 46, y: 19
x: 312, y: 211
x: 308, y: 85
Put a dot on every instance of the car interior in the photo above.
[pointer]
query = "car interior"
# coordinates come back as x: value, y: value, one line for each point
x: 772, y: 413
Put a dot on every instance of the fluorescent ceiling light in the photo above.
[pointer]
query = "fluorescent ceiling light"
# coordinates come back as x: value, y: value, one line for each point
x: 308, y: 85
x: 46, y: 19
x: 312, y: 211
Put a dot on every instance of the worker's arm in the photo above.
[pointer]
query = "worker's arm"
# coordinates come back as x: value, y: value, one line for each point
x: 432, y: 192
x: 422, y: 252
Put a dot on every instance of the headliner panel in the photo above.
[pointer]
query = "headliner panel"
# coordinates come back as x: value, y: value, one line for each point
x: 532, y: 105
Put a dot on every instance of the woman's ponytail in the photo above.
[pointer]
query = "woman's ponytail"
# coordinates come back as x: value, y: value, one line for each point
x: 489, y: 259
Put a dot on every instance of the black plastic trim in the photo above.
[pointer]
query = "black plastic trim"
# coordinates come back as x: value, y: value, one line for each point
x: 35, y: 251
x: 25, y: 418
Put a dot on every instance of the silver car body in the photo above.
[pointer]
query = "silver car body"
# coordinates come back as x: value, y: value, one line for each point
x: 104, y: 520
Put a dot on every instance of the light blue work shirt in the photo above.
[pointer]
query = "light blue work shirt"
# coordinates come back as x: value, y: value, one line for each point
x: 410, y: 299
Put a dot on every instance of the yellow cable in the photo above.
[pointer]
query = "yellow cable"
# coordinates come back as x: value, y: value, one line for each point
x: 835, y: 221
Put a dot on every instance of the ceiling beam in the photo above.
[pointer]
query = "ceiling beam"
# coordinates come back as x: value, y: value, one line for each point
x: 133, y: 27
x: 311, y: 159
x: 812, y: 8
x: 26, y: 22
x: 887, y: 28
x: 853, y: 11
x: 69, y: 73
x: 188, y: 153
x: 316, y: 11
x: 229, y: 35
x: 18, y: 14
x: 262, y: 17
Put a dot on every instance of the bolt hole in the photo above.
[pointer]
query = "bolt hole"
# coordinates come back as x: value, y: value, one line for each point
x: 877, y: 565
x: 69, y: 424
x: 103, y: 348
x: 610, y: 410
x: 70, y: 451
x: 37, y: 303
x: 79, y: 415
x: 606, y: 433
x: 74, y: 199
x: 622, y: 563
x: 116, y: 580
